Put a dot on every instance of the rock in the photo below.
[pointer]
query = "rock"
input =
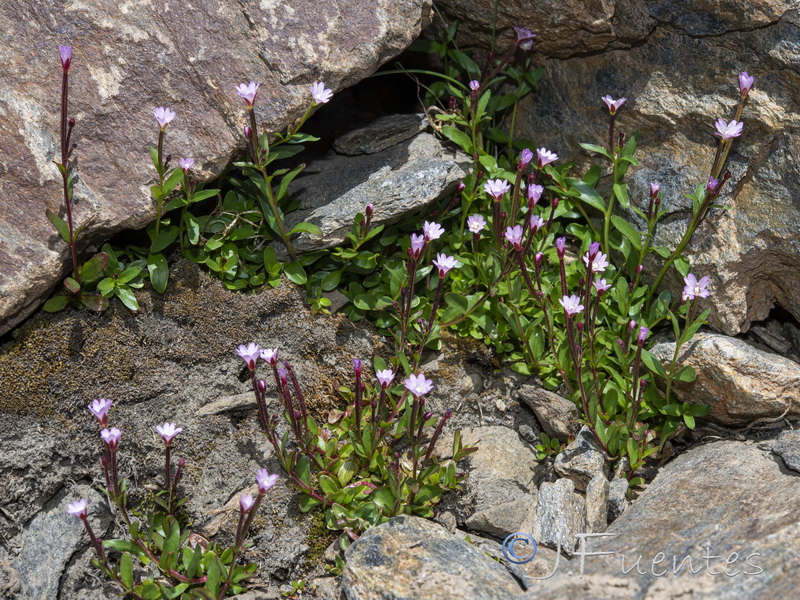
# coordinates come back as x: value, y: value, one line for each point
x: 127, y: 62
x: 597, y: 504
x: 727, y: 500
x: 581, y: 460
x: 739, y: 383
x: 409, y: 557
x: 787, y: 446
x: 245, y: 401
x: 401, y: 179
x: 557, y: 415
x: 381, y: 134
x: 773, y: 336
x: 51, y: 539
x: 617, y: 498
x: 502, y: 478
x: 559, y: 515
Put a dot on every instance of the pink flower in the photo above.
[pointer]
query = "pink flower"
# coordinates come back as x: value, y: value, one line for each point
x: 432, y: 231
x: 246, y: 502
x: 418, y: 385
x: 164, y: 116
x: 248, y: 92
x: 99, y: 408
x: 599, y: 264
x: 444, y: 263
x: 168, y: 431
x: 572, y: 305
x: 249, y: 354
x: 655, y: 187
x: 525, y: 158
x: 643, y: 333
x: 601, y: 286
x: 476, y: 223
x: 546, y: 157
x: 536, y: 223
x: 385, y: 377
x: 534, y: 193
x: 514, y: 236
x: 66, y: 56
x: 561, y: 246
x: 265, y: 480
x: 613, y: 105
x: 745, y: 83
x: 186, y: 164
x: 727, y: 130
x: 523, y: 37
x: 496, y: 188
x: 79, y: 508
x: 357, y: 367
x: 474, y: 85
x: 713, y: 184
x: 417, y: 244
x: 320, y: 93
x: 270, y: 356
x: 111, y: 437
x: 695, y: 288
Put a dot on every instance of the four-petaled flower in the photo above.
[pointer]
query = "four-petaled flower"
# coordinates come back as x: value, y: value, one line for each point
x: 525, y: 158
x: 599, y: 264
x: 476, y: 223
x: 534, y: 193
x: 655, y: 187
x: 444, y: 263
x: 546, y: 157
x: 66, y: 56
x: 745, y: 83
x: 249, y: 354
x: 385, y: 377
x: 514, y: 236
x: 99, y: 408
x: 572, y: 305
x: 713, y: 184
x: 727, y: 130
x: 265, y: 480
x: 168, y: 431
x: 418, y: 385
x: 523, y: 37
x: 246, y: 502
x: 164, y: 116
x: 320, y: 93
x: 186, y: 164
x: 496, y: 188
x: 601, y: 286
x: 248, y: 92
x: 111, y: 437
x: 643, y: 333
x: 474, y: 85
x: 270, y: 356
x: 432, y: 231
x: 417, y: 244
x: 613, y: 105
x: 695, y: 288
x: 536, y: 223
x: 79, y: 508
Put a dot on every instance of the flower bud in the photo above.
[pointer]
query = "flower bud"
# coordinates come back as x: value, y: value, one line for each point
x: 248, y: 132
x: 262, y: 386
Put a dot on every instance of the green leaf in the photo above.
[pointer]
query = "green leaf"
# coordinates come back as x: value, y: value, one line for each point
x: 652, y: 363
x: 56, y: 303
x: 204, y: 195
x: 73, y: 287
x: 459, y: 137
x: 159, y: 272
x: 125, y: 294
x: 621, y: 192
x: 307, y: 503
x: 331, y: 281
x: 123, y: 546
x: 327, y: 484
x: 192, y: 227
x: 588, y: 194
x: 682, y: 266
x: 689, y: 420
x: 128, y: 274
x: 166, y: 236
x: 61, y: 226
x: 628, y: 231
x: 94, y: 302
x: 295, y: 273
x: 597, y: 150
x: 309, y: 228
x: 92, y: 268
x: 686, y: 373
x: 126, y: 570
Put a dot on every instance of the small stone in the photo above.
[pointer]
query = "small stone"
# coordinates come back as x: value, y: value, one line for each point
x: 559, y: 515
x: 787, y: 446
x: 581, y: 460
x: 380, y: 134
x: 557, y: 415
x: 597, y: 504
x: 617, y: 501
x: 338, y: 300
x: 527, y: 433
x: 245, y: 401
x: 448, y: 520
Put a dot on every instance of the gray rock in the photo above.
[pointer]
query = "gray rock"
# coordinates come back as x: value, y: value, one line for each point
x: 773, y: 336
x: 581, y: 460
x: 245, y: 401
x: 727, y: 500
x: 127, y: 62
x: 409, y: 557
x: 739, y: 383
x: 617, y: 498
x: 502, y: 479
x: 557, y: 415
x: 406, y: 177
x: 597, y: 493
x: 787, y: 446
x: 380, y: 134
x: 49, y: 541
x: 559, y: 515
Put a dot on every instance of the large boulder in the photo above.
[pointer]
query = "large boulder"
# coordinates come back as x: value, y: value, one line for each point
x: 679, y: 75
x: 127, y: 61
